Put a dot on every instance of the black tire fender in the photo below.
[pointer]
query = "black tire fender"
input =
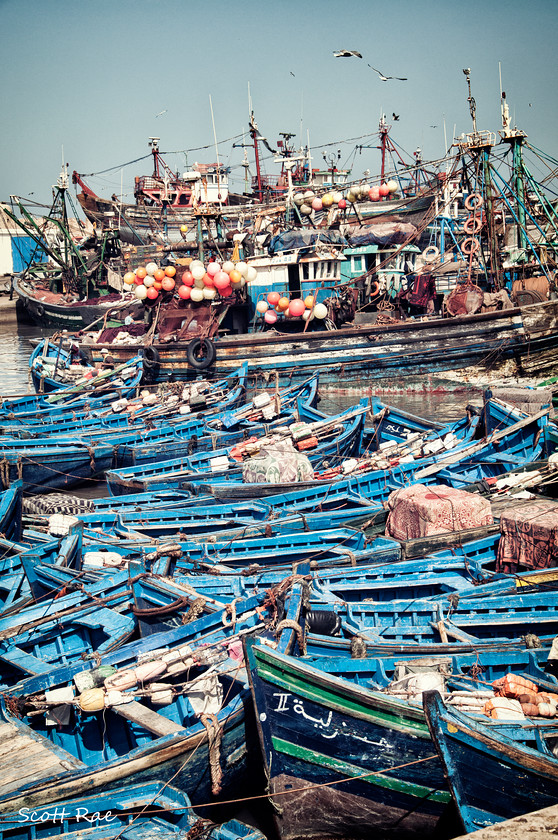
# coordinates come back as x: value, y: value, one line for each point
x: 151, y: 362
x: 201, y: 353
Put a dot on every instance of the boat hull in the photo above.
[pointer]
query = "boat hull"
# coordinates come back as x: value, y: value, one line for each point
x: 370, y: 352
x: 492, y: 778
x: 360, y: 758
x: 45, y: 313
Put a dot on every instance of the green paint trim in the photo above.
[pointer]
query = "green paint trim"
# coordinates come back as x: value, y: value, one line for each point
x: 331, y: 699
x: 351, y: 771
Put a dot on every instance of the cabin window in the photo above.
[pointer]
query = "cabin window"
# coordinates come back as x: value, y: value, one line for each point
x: 305, y: 271
x: 357, y: 264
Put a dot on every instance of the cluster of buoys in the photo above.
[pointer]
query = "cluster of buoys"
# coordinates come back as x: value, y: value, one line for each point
x: 308, y: 201
x: 150, y: 280
x: 275, y: 304
x: 201, y: 282
x: 197, y: 283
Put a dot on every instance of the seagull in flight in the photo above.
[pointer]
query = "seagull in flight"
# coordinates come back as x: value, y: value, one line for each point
x: 160, y: 114
x: 346, y: 53
x: 387, y: 78
x: 395, y: 116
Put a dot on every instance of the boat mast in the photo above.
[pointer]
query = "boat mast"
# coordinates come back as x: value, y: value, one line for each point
x: 515, y: 138
x: 479, y: 145
x: 254, y: 136
x: 154, y: 144
x: 384, y: 131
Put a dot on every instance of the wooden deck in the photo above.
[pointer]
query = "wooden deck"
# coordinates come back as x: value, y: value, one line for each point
x: 29, y: 758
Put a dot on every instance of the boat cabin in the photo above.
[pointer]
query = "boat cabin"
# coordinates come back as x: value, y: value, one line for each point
x: 296, y: 274
x: 384, y: 267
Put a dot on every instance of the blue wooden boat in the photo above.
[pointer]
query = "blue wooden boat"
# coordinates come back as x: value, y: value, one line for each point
x: 17, y: 566
x: 520, y: 441
x: 339, y: 757
x: 496, y: 769
x: 395, y: 424
x: 10, y: 512
x: 34, y: 409
x: 85, y: 633
x: 50, y: 365
x: 42, y: 464
x: 343, y: 746
x: 332, y: 546
x: 142, y: 445
x: 339, y: 436
x: 135, y: 812
x: 232, y: 427
x: 419, y: 625
x: 61, y: 462
x: 138, y: 740
x: 114, y: 589
x: 192, y: 515
x: 208, y: 398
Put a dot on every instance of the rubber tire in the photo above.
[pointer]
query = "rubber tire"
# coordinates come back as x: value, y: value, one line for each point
x: 151, y: 364
x: 204, y: 345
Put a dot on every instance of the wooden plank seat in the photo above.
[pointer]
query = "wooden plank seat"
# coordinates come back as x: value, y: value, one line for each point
x: 147, y: 718
x: 29, y: 757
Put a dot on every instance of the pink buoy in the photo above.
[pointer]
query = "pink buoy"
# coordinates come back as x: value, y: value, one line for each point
x: 168, y: 284
x: 317, y: 204
x: 226, y: 292
x: 184, y: 292
x: 188, y: 278
x: 270, y: 316
x: 374, y: 194
x: 384, y: 190
x: 296, y: 307
x: 213, y: 268
x: 342, y: 204
x: 273, y: 298
x: 208, y: 279
x: 222, y: 280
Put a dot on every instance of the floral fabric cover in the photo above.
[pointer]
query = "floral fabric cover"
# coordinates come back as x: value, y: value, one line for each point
x: 529, y: 537
x: 421, y: 511
x: 277, y: 463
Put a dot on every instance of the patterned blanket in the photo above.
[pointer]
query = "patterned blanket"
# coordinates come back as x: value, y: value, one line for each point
x: 529, y: 537
x: 421, y: 511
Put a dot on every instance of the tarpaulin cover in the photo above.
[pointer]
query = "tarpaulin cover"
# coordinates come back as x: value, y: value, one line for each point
x: 529, y: 537
x: 291, y: 240
x: 421, y: 511
x: 386, y: 233
x: 277, y: 463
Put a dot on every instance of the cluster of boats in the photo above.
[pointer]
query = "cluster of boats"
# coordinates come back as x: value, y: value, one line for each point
x: 429, y: 267
x: 268, y: 603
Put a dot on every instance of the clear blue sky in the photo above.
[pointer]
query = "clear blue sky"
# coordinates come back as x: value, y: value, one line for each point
x: 90, y: 76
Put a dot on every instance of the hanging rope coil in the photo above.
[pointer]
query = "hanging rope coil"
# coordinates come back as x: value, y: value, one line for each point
x: 214, y: 736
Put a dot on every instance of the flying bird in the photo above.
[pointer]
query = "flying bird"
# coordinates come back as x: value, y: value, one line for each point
x: 160, y: 114
x: 346, y: 53
x: 395, y: 116
x: 292, y: 74
x: 387, y: 78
